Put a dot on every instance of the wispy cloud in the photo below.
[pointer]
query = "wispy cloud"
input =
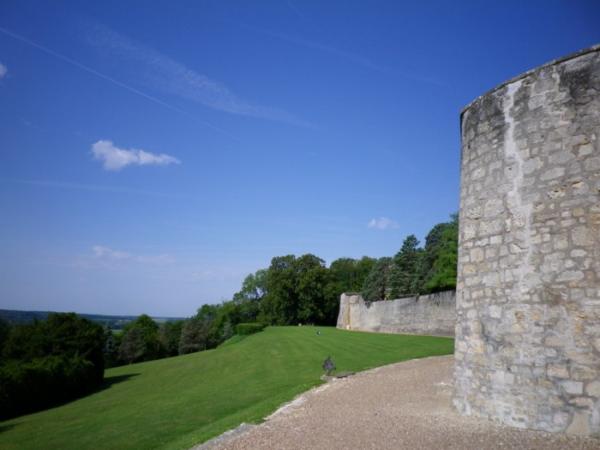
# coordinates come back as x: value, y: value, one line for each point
x: 105, y: 77
x: 3, y: 71
x: 164, y: 73
x: 115, y: 158
x: 351, y: 57
x: 294, y: 9
x: 108, y: 254
x: 382, y: 223
x: 87, y: 187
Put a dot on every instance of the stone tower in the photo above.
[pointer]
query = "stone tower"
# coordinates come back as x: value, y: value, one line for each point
x: 528, y: 292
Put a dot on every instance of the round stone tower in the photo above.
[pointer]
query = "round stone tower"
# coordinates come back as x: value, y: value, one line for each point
x: 528, y: 293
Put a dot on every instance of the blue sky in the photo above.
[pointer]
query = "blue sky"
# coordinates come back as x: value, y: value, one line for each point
x: 154, y: 153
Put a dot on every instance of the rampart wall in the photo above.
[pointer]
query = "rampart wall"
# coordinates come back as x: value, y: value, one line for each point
x: 433, y: 314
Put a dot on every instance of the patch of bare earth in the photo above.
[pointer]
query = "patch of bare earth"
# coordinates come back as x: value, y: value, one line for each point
x: 400, y: 406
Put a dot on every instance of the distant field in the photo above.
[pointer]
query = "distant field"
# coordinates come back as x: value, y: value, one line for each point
x: 177, y: 402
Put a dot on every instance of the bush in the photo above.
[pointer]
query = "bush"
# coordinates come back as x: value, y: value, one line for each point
x: 48, y: 362
x: 249, y: 328
x: 43, y: 382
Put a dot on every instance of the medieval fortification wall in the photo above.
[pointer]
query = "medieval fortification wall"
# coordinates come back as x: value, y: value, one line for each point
x: 433, y: 314
x: 528, y: 292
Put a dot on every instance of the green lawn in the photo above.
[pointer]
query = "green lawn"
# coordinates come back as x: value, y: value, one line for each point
x: 181, y: 401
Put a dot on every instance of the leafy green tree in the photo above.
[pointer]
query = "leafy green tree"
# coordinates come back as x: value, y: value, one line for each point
x: 140, y: 341
x: 279, y: 306
x: 253, y: 287
x: 112, y: 342
x: 311, y: 279
x: 443, y: 275
x: 404, y: 277
x: 169, y: 335
x: 377, y: 285
x: 4, y: 332
x: 295, y: 291
x: 345, y: 275
x: 61, y: 334
x: 434, y: 244
x: 249, y: 297
x: 349, y: 275
x: 195, y: 336
x: 48, y: 362
x: 133, y: 347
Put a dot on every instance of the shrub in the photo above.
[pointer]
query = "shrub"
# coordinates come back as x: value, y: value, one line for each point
x: 249, y: 328
x: 48, y: 362
x: 42, y: 383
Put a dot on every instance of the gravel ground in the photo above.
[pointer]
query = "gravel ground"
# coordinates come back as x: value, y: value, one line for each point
x: 400, y: 406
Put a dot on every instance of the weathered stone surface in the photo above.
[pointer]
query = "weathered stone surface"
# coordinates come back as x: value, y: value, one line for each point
x: 528, y: 291
x: 433, y: 314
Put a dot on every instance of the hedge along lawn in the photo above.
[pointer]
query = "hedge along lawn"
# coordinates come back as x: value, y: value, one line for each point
x: 178, y: 402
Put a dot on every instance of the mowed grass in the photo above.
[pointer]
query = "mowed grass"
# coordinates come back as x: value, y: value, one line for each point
x: 177, y: 402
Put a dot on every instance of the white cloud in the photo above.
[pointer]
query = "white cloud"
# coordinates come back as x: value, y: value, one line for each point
x: 161, y: 72
x: 3, y: 71
x: 115, y: 158
x: 109, y: 254
x: 382, y: 223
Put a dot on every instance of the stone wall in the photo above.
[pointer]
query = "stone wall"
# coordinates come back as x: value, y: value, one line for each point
x: 433, y: 314
x: 528, y: 292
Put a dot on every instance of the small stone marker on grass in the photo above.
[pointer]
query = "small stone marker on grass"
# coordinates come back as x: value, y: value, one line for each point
x: 328, y: 366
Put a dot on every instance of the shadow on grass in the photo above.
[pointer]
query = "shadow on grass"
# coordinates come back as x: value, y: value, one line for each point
x: 7, y: 427
x: 107, y: 383
x: 115, y: 379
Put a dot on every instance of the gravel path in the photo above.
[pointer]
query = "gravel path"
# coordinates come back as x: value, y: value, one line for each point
x: 400, y: 406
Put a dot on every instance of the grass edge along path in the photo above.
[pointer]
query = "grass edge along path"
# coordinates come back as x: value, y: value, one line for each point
x: 179, y: 402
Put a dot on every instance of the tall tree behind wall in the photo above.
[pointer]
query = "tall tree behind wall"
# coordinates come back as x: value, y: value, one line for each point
x: 377, y: 286
x: 404, y: 274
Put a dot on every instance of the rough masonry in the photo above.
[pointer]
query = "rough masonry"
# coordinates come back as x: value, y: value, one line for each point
x: 528, y: 289
x: 433, y: 314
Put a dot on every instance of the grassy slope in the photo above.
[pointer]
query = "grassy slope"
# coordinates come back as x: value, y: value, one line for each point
x: 178, y: 402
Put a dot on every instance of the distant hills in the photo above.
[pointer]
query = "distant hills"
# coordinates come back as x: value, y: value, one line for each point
x: 112, y: 322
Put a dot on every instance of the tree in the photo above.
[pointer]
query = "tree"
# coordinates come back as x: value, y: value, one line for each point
x: 311, y: 279
x: 249, y: 297
x: 349, y: 275
x: 195, y: 335
x: 295, y: 291
x: 279, y: 306
x: 436, y: 242
x: 133, y: 347
x: 253, y: 287
x: 112, y: 343
x: 140, y: 341
x: 4, y: 332
x: 443, y: 275
x: 61, y: 334
x: 377, y: 285
x: 404, y: 277
x: 169, y: 335
x: 48, y: 362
